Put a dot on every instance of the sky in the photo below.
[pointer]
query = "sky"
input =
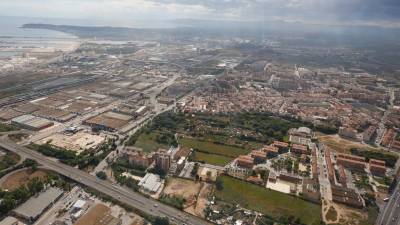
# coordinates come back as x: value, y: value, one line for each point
x: 122, y: 12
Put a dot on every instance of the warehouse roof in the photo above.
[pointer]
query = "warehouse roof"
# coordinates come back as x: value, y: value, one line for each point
x: 37, y: 204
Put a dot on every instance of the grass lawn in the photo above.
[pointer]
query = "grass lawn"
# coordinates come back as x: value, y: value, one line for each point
x: 212, y: 159
x: 209, y: 147
x: 269, y: 202
x: 148, y: 143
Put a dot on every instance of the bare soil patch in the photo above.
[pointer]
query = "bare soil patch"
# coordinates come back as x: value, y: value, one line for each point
x: 21, y: 177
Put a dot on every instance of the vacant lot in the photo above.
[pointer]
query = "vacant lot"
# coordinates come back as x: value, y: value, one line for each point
x: 209, y: 147
x: 148, y: 142
x: 218, y: 160
x: 95, y: 215
x: 268, y: 202
x: 21, y: 177
x: 342, y: 145
x: 202, y: 201
x: 186, y: 189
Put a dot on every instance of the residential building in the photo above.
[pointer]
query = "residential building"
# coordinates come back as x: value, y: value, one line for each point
x: 271, y: 151
x: 258, y: 156
x: 377, y: 167
x: 282, y: 146
x: 245, y: 161
x: 163, y: 160
x: 299, y: 149
x: 351, y: 162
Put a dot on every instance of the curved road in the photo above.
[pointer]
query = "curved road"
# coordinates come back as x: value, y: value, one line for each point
x: 128, y: 197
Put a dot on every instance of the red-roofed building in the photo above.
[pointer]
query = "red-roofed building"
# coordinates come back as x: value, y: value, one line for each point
x: 351, y: 157
x: 259, y: 156
x: 395, y: 146
x: 351, y: 162
x: 271, y: 151
x: 329, y: 166
x: 377, y: 162
x: 377, y: 170
x: 342, y: 178
x: 245, y: 161
x: 377, y: 167
x: 283, y: 146
x: 299, y: 149
x: 255, y: 180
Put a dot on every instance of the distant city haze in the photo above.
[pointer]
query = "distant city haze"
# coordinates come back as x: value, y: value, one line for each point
x: 134, y: 12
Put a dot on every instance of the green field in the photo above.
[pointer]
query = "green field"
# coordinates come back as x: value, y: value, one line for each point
x: 269, y: 202
x: 209, y: 147
x: 148, y: 143
x: 212, y: 159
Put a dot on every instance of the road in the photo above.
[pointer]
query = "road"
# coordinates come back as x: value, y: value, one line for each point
x: 128, y: 197
x: 391, y: 213
x: 325, y: 185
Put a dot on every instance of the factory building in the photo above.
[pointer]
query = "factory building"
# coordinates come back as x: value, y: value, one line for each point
x: 30, y: 122
x: 35, y: 206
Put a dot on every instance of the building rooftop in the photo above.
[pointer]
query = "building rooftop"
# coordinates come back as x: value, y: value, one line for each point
x: 37, y: 204
x: 270, y: 148
x: 280, y: 144
x: 151, y: 182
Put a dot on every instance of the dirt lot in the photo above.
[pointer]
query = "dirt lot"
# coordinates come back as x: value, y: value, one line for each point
x: 21, y: 177
x: 339, y: 144
x: 94, y: 215
x: 185, y: 188
x: 201, y: 203
x: 335, y: 214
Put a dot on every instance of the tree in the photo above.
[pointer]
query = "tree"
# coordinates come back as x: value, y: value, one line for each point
x: 35, y: 185
x: 7, y: 204
x: 195, y: 169
x: 219, y: 184
x: 31, y: 163
x: 161, y: 221
x: 102, y: 175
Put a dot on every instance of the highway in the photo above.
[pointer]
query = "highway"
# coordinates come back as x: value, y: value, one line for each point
x: 133, y: 199
x: 391, y: 213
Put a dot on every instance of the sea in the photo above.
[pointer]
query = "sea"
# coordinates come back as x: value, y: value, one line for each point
x: 15, y: 40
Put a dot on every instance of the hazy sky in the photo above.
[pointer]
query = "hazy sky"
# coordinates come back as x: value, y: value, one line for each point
x: 383, y: 12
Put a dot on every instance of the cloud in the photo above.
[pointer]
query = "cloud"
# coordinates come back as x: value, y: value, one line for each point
x: 324, y: 11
